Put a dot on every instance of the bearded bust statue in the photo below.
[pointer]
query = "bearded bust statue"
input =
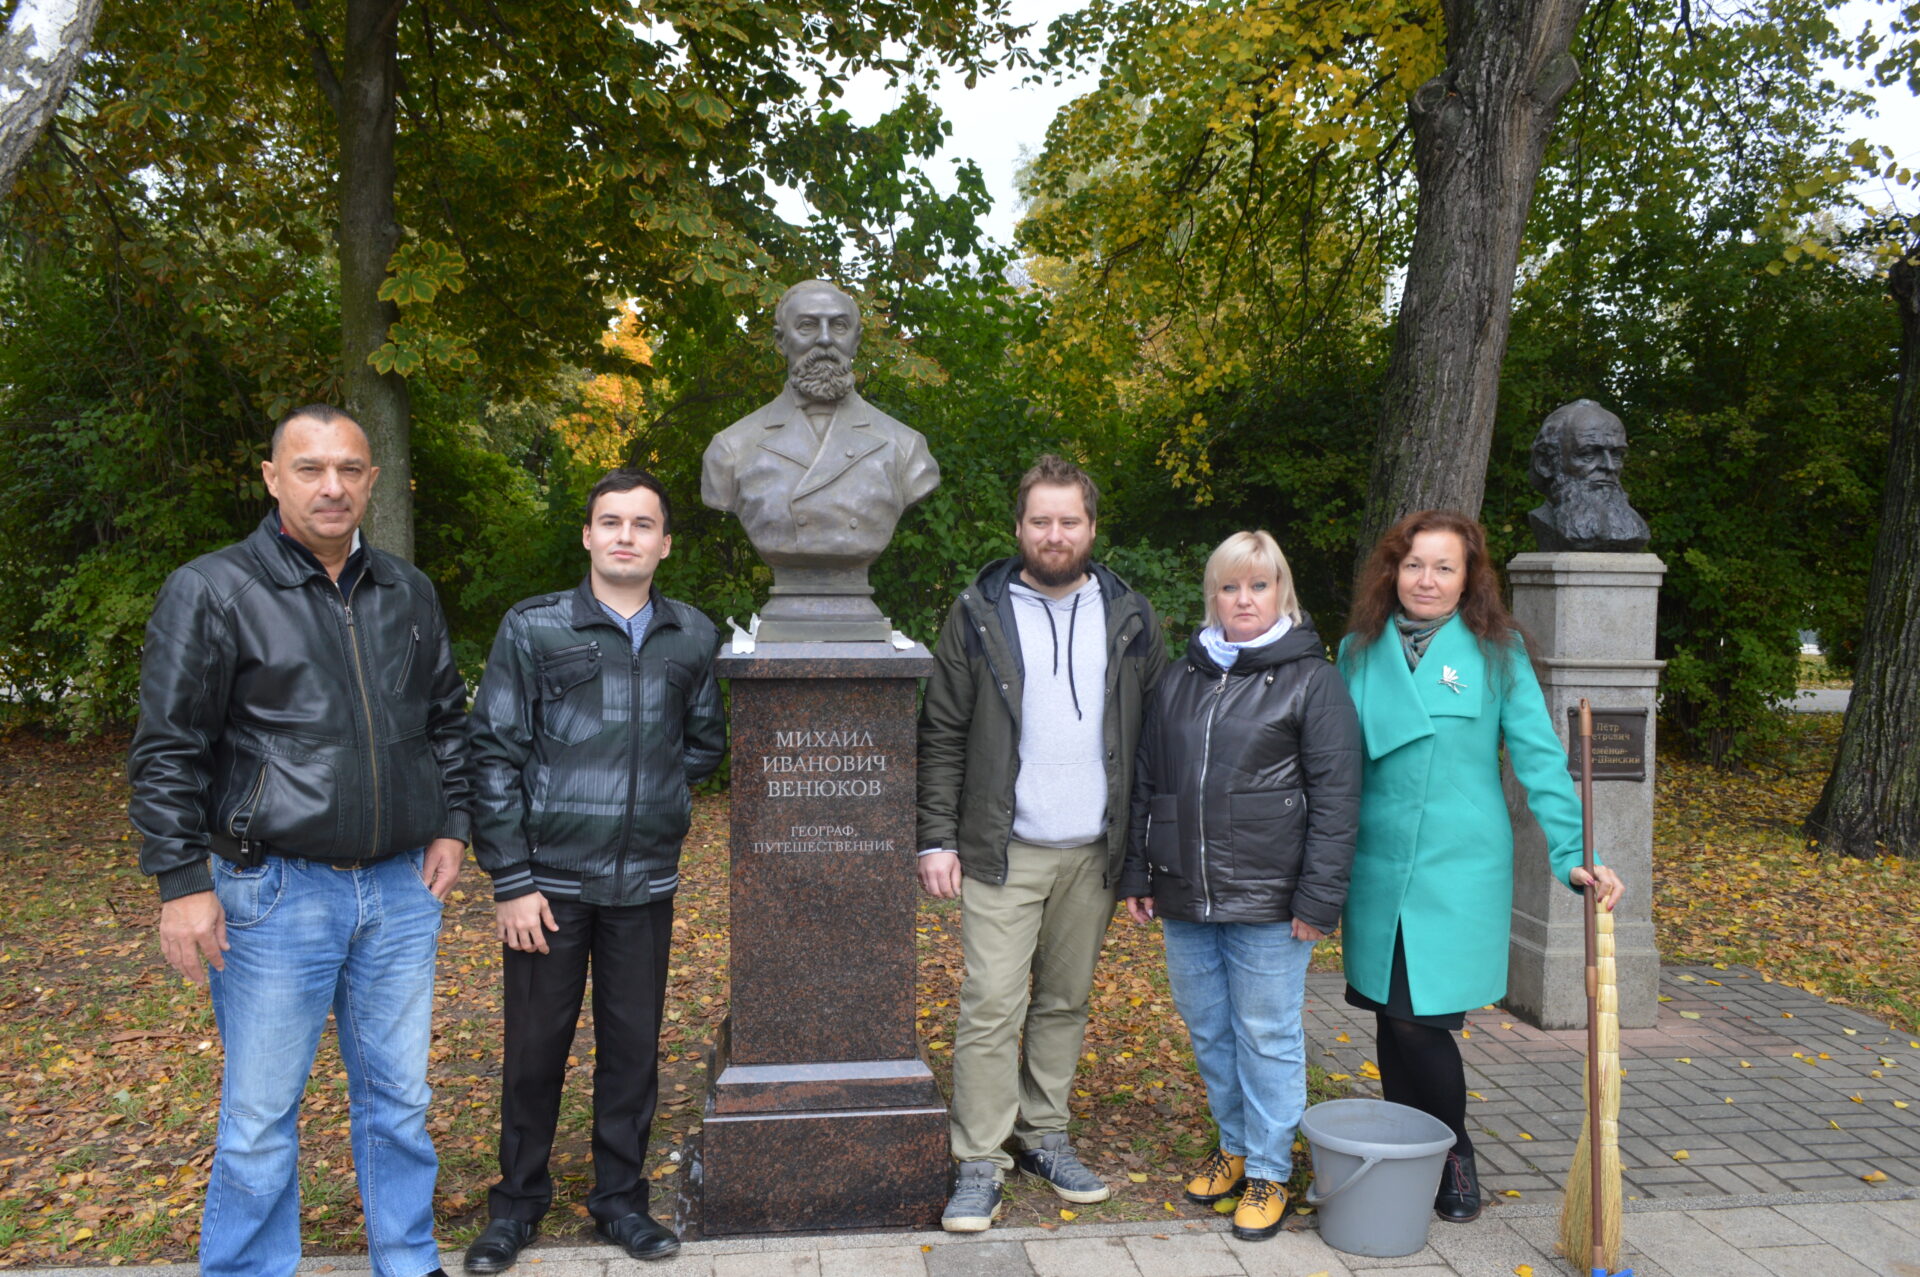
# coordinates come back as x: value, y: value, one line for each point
x: 1577, y: 459
x: 819, y: 477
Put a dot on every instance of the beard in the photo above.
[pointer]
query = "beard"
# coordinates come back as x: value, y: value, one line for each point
x: 1059, y: 570
x: 1598, y: 514
x: 824, y: 376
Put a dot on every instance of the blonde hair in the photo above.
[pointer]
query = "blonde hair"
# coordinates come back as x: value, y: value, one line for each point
x: 1245, y: 552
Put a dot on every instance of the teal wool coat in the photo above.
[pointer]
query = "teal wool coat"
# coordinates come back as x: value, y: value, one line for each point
x: 1435, y: 853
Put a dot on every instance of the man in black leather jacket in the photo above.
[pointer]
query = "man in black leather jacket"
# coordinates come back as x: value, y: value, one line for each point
x: 299, y: 780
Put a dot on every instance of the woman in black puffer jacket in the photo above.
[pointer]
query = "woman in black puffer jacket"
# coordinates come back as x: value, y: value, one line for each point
x: 1245, y: 806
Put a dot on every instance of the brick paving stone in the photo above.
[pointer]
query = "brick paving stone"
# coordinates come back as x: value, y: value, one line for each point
x: 1904, y: 1215
x: 978, y: 1259
x: 1487, y: 1248
x: 1288, y: 1254
x: 1204, y: 1256
x: 789, y: 1263
x: 1684, y: 1245
x: 871, y: 1261
x: 1801, y: 1261
x: 1751, y: 1227
x: 1082, y: 1257
x: 1863, y: 1234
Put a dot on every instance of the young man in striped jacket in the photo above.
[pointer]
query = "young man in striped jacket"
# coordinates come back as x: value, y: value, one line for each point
x: 597, y: 714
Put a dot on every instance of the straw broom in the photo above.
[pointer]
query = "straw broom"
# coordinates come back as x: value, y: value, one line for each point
x: 1590, y: 1216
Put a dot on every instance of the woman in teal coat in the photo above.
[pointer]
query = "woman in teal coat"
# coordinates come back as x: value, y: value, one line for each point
x: 1440, y: 676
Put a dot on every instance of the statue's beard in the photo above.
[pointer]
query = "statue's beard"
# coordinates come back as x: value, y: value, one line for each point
x: 824, y: 376
x: 1595, y: 510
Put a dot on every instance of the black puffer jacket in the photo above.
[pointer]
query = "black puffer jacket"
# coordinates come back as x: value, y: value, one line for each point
x: 1246, y: 792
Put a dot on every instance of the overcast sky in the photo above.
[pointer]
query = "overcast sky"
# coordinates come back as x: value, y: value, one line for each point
x: 999, y: 122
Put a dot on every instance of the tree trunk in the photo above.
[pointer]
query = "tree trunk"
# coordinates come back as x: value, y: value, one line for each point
x: 369, y: 232
x: 39, y: 52
x: 1871, y: 805
x: 1479, y: 132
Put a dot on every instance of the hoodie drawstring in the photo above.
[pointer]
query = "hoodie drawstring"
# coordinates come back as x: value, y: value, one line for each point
x: 1073, y: 618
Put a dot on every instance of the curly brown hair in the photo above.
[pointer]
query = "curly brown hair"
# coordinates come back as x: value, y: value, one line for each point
x: 1376, y: 590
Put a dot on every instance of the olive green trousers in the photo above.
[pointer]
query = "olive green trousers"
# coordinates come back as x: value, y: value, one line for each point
x: 1030, y: 944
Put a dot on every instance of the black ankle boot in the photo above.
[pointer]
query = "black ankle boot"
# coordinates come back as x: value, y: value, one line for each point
x: 1458, y: 1201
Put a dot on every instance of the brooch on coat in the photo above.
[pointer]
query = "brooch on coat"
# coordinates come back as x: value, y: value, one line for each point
x: 1450, y: 679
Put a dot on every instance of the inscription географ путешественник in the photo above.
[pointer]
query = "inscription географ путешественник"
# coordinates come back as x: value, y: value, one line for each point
x: 823, y: 764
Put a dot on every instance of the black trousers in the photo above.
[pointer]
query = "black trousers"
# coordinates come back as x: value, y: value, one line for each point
x: 627, y: 950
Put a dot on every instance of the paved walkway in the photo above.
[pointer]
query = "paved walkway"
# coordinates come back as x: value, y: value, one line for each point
x: 1821, y: 700
x: 1782, y: 1103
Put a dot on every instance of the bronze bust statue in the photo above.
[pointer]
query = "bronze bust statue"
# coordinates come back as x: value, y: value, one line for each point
x: 1577, y: 458
x: 819, y: 477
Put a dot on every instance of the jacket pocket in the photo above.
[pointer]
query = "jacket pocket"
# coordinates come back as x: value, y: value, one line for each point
x: 570, y: 694
x: 408, y: 658
x: 418, y: 798
x: 286, y: 803
x: 1163, y: 836
x: 1269, y: 834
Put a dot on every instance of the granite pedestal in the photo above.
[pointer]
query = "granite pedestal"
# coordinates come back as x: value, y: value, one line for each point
x: 822, y: 1112
x: 1592, y: 618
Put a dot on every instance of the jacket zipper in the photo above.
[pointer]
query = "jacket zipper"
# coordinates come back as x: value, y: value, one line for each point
x: 406, y: 666
x: 366, y: 704
x: 253, y: 800
x: 633, y: 768
x: 1206, y: 757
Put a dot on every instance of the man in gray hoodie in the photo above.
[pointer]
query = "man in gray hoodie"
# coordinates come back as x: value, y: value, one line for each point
x: 1027, y: 737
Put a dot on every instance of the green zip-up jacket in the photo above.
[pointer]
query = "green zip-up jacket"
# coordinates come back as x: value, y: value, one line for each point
x: 585, y: 751
x: 970, y: 719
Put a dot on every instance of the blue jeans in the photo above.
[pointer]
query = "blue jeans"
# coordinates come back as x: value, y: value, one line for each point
x: 1240, y: 987
x: 305, y: 938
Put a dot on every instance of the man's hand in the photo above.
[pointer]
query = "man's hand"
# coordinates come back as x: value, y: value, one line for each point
x: 1140, y: 909
x: 193, y: 932
x: 519, y: 922
x: 940, y: 874
x: 440, y: 867
x: 1307, y: 931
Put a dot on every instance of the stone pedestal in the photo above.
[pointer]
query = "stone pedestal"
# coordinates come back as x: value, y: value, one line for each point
x: 1592, y: 618
x: 822, y: 1112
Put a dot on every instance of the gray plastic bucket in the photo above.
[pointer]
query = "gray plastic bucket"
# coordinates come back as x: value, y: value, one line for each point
x: 1376, y: 1168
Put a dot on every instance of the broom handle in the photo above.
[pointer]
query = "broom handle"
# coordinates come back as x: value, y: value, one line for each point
x: 1593, y: 981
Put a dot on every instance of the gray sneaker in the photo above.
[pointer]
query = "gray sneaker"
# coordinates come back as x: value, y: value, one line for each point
x: 975, y: 1200
x: 1055, y: 1163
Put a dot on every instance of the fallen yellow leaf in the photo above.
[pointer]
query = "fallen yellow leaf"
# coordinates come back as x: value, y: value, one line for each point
x: 1227, y: 1206
x: 1835, y: 1125
x: 1370, y: 1070
x: 1689, y: 1015
x: 1341, y: 1036
x: 1786, y: 1015
x: 1168, y: 1205
x: 1525, y: 1136
x: 1138, y: 1177
x: 1509, y: 1192
x: 1069, y: 1215
x: 1856, y: 1099
x: 1745, y: 1065
x: 1899, y: 1104
x: 1339, y: 1077
x: 1476, y: 1095
x: 1523, y: 1270
x: 1729, y: 1099
x: 1683, y: 1059
x: 1680, y: 1154
x: 1875, y: 1177
x: 1851, y: 1032
x: 1665, y: 998
x: 85, y: 1233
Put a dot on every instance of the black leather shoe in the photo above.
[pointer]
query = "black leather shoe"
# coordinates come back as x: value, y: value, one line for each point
x: 1459, y: 1199
x: 640, y: 1235
x: 494, y: 1250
